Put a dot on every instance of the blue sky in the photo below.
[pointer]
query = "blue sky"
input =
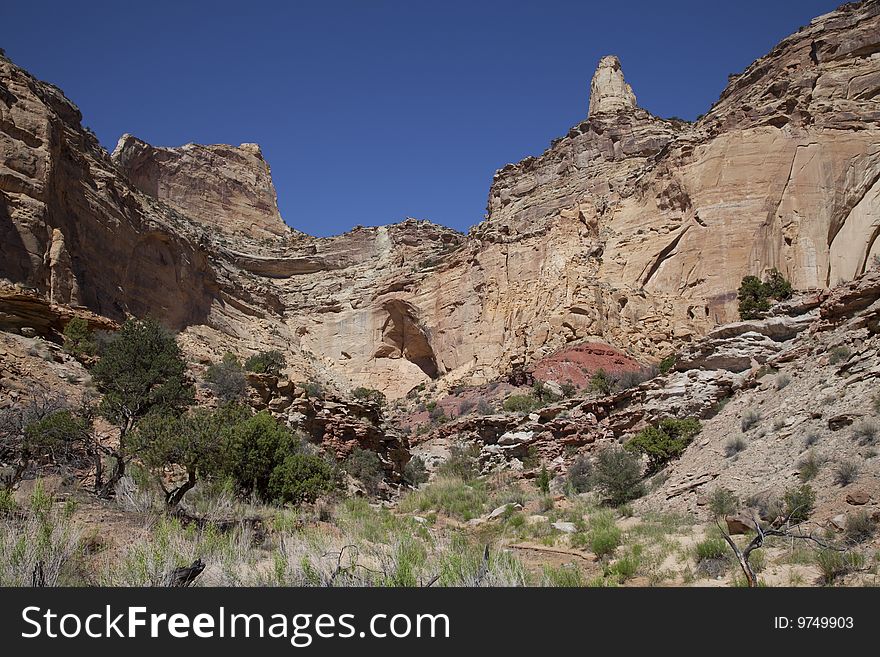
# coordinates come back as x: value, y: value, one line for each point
x: 369, y: 112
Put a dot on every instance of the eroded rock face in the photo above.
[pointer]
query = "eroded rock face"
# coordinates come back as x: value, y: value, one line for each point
x: 228, y: 188
x: 630, y: 230
x: 609, y: 92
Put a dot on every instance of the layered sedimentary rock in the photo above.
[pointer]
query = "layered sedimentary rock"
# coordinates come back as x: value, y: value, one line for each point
x: 630, y: 230
x: 224, y: 187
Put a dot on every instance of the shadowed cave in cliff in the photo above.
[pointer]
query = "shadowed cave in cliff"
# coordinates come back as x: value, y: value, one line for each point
x: 403, y: 336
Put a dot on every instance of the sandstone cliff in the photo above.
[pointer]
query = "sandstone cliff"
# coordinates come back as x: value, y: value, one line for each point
x: 631, y: 229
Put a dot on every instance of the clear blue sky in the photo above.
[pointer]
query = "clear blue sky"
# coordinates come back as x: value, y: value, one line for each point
x: 369, y: 112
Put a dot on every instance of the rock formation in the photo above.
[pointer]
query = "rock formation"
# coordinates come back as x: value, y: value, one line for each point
x: 609, y: 92
x: 226, y: 188
x: 631, y: 230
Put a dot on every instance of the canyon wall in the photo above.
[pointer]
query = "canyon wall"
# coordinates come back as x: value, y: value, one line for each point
x: 630, y: 229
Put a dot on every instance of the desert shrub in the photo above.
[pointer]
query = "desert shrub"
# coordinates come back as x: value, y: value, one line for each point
x: 366, y: 466
x: 626, y: 566
x: 859, y: 526
x: 484, y: 407
x: 667, y: 364
x: 57, y: 435
x: 734, y: 446
x: 832, y: 564
x: 301, y: 478
x: 369, y: 395
x: 604, y: 536
x: 799, y: 502
x: 618, y: 475
x: 664, y: 442
x: 754, y: 295
x: 414, y: 472
x: 580, y: 474
x: 809, y: 466
x: 712, y: 547
x: 782, y: 380
x: 602, y: 382
x: 79, y: 339
x: 839, y: 354
x: 723, y: 502
x: 865, y: 432
x: 312, y: 389
x: 449, y: 495
x: 542, y: 481
x: 227, y: 379
x: 462, y: 462
x: 520, y: 404
x: 466, y: 406
x: 266, y: 362
x: 564, y: 576
x: 569, y: 389
x: 845, y: 473
x: 438, y: 414
x: 542, y: 393
x: 810, y: 439
x: 749, y: 419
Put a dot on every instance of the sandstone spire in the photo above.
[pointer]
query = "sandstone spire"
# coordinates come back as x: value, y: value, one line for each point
x: 609, y: 92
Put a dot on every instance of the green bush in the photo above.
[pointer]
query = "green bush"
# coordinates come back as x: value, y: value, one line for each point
x: 252, y: 446
x: 723, y: 502
x: 266, y: 362
x: 604, y: 536
x: 366, y: 466
x: 755, y: 295
x: 369, y: 395
x: 618, y: 475
x: 79, y: 339
x: 799, y: 502
x: 667, y: 364
x: 414, y: 472
x: 602, y: 382
x: 462, y: 462
x: 580, y: 474
x: 57, y: 435
x: 712, y: 547
x: 542, y: 481
x: 569, y: 389
x: 313, y: 390
x: 227, y: 379
x: 301, y: 478
x: 664, y: 442
x: 839, y: 354
x: 521, y: 404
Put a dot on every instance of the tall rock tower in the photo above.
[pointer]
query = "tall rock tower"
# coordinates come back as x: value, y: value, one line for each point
x: 609, y: 92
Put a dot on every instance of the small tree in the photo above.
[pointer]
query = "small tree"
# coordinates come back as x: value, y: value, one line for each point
x: 366, y: 466
x: 543, y: 480
x: 141, y: 372
x: 754, y: 295
x: 227, y: 379
x: 415, y: 472
x: 602, y: 382
x: 580, y: 474
x: 664, y: 442
x: 369, y: 395
x: 619, y: 475
x: 266, y: 362
x: 79, y: 340
x: 301, y: 478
